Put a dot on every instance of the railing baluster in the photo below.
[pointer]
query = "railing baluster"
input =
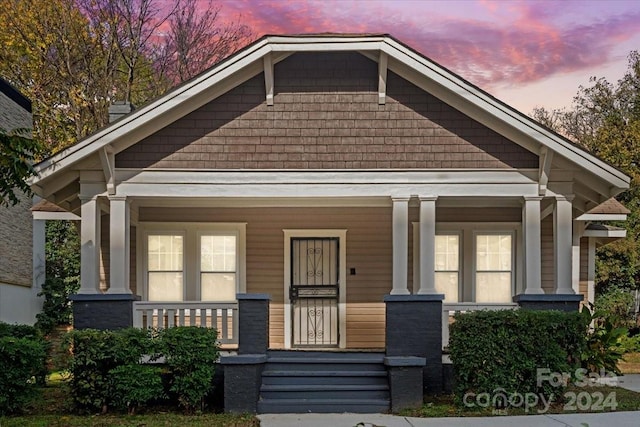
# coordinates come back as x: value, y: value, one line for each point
x: 181, y: 316
x: 171, y: 313
x: 225, y: 325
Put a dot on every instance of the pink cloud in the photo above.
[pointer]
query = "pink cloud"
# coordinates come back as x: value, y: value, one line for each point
x: 513, y: 43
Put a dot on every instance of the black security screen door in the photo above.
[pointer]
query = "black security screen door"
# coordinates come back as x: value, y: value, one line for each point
x: 314, y: 291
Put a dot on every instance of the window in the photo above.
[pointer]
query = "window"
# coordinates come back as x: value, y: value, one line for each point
x: 218, y: 268
x: 494, y: 264
x: 474, y: 262
x: 165, y: 267
x: 447, y: 266
x: 192, y: 261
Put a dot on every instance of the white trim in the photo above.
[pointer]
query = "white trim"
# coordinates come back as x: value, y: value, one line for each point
x: 54, y: 216
x: 602, y: 217
x: 191, y: 271
x: 268, y: 78
x: 342, y: 294
x: 328, y: 176
x: 475, y: 233
x: 605, y: 234
x: 383, y: 61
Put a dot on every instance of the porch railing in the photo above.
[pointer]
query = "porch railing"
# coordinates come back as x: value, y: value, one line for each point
x: 223, y: 316
x: 449, y: 309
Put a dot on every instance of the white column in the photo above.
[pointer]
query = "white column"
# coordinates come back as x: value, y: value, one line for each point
x: 563, y: 244
x: 578, y: 228
x: 427, y: 245
x: 119, y: 240
x: 532, y: 245
x: 89, y: 246
x: 400, y: 245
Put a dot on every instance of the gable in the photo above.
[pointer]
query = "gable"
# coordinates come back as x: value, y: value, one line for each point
x: 326, y: 116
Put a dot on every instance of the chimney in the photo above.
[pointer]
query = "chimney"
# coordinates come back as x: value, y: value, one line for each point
x: 119, y: 109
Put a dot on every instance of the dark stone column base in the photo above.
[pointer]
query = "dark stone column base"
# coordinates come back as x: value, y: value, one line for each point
x: 103, y: 311
x: 562, y: 302
x: 405, y: 381
x: 414, y: 328
x: 253, y: 329
x: 242, y: 381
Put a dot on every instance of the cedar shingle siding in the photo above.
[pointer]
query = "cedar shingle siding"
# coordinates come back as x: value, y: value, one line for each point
x: 326, y: 116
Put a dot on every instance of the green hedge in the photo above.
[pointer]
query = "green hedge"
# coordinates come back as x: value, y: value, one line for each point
x: 107, y: 369
x: 23, y: 356
x: 501, y: 351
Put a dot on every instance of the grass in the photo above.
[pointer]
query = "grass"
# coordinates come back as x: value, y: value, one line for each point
x: 54, y: 406
x: 445, y: 406
x: 630, y: 363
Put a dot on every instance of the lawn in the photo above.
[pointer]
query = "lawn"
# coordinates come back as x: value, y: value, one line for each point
x: 630, y: 363
x: 444, y: 406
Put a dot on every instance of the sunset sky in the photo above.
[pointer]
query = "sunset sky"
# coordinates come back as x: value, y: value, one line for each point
x: 527, y: 53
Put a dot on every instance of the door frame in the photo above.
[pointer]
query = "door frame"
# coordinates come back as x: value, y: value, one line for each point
x: 341, y: 235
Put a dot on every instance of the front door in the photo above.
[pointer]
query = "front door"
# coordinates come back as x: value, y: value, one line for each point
x: 314, y: 291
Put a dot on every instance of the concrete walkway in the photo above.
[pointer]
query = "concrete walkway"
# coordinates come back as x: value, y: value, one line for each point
x: 607, y: 419
x: 612, y: 419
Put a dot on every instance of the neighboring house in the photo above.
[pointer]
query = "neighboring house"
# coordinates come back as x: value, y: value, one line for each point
x: 355, y: 182
x: 19, y: 281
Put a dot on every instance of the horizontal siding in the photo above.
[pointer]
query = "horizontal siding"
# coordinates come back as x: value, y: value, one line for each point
x: 584, y: 267
x: 548, y: 257
x: 365, y: 325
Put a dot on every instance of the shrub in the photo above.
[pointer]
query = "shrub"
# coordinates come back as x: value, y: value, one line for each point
x: 92, y: 360
x: 190, y: 354
x: 134, y: 385
x: 604, y: 341
x: 56, y: 308
x: 22, y: 359
x: 501, y: 351
x: 40, y: 370
x: 107, y: 367
x: 95, y: 355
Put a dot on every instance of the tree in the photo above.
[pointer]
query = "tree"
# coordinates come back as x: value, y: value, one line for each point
x: 197, y: 39
x: 49, y: 51
x: 17, y: 153
x: 605, y: 120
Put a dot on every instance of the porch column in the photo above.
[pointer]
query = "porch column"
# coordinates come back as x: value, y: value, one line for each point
x: 532, y: 245
x: 427, y: 245
x: 563, y: 242
x: 400, y: 245
x: 89, y: 246
x: 119, y: 240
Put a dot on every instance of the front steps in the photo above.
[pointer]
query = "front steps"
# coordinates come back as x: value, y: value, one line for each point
x: 324, y: 382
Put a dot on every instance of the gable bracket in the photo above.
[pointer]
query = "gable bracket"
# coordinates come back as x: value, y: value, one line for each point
x: 544, y: 169
x: 108, y: 160
x: 268, y: 77
x: 382, y: 78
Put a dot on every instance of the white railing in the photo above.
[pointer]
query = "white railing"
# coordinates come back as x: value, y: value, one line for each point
x: 449, y: 309
x: 223, y: 316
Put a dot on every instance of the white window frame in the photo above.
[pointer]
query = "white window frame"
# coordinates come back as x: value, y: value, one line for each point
x: 474, y: 257
x: 145, y: 260
x: 467, y: 269
x: 191, y: 232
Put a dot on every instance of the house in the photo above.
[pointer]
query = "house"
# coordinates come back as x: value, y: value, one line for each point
x: 340, y: 194
x: 20, y: 275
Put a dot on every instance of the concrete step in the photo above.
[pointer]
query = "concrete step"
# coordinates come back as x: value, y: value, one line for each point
x: 325, y: 391
x: 301, y: 406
